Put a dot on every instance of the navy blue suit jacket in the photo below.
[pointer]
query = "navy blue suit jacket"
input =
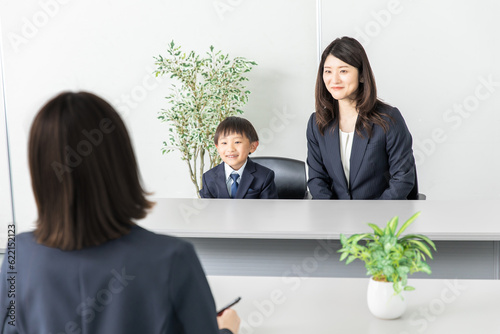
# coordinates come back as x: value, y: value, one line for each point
x: 381, y: 167
x: 139, y: 283
x: 257, y: 181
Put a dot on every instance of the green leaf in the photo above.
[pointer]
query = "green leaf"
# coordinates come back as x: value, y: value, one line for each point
x: 409, y: 253
x: 343, y: 256
x: 387, y: 247
x: 343, y: 239
x: 357, y: 237
x: 376, y: 229
x: 388, y: 271
x: 391, y: 226
x: 404, y: 279
x: 407, y: 223
x: 409, y: 288
x: 421, y: 246
x: 424, y: 267
x: 350, y: 259
x: 398, y: 287
x: 403, y: 270
x: 419, y: 236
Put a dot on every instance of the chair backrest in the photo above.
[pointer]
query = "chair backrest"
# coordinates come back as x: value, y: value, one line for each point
x: 289, y: 176
x: 414, y: 194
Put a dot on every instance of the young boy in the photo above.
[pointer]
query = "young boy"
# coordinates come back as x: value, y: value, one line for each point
x: 238, y: 176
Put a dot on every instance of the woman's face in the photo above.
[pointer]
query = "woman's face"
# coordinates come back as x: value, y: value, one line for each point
x: 341, y: 79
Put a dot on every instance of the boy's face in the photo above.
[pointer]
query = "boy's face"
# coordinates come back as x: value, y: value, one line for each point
x: 235, y: 148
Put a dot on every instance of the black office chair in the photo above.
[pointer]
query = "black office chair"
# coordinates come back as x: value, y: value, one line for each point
x: 414, y: 194
x: 289, y: 176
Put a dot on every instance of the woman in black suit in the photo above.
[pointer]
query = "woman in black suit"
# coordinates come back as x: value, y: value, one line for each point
x: 358, y: 146
x: 88, y: 268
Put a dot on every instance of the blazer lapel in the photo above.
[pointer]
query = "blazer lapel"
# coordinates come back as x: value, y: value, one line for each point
x: 333, y: 144
x: 357, y: 154
x: 220, y: 181
x: 246, y: 179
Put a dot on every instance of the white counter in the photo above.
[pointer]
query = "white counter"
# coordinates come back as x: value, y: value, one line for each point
x: 275, y: 305
x: 310, y: 219
x: 268, y: 237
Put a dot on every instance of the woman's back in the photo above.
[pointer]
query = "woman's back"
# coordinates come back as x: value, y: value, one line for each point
x: 139, y: 283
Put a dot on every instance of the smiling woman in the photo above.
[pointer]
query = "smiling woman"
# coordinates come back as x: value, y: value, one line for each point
x: 358, y: 146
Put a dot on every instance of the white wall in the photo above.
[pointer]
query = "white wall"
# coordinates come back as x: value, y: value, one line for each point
x: 427, y: 57
x: 108, y: 46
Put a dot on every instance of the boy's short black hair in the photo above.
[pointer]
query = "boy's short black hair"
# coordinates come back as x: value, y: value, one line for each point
x: 238, y: 125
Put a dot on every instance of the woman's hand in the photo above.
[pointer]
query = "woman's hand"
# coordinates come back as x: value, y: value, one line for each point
x: 230, y: 320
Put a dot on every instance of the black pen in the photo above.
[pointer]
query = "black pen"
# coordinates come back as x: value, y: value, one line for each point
x: 219, y: 313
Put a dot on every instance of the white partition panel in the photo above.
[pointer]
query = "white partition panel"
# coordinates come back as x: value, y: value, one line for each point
x: 6, y: 214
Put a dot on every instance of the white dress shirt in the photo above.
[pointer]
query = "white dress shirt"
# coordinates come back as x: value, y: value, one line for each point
x: 346, y: 139
x: 229, y: 170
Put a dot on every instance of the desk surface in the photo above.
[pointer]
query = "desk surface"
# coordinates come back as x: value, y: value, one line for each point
x: 309, y: 219
x: 338, y: 305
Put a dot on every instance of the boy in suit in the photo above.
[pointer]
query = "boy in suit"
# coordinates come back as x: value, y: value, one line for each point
x: 238, y: 176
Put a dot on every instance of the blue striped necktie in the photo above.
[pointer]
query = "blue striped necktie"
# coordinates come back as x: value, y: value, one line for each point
x: 234, y: 186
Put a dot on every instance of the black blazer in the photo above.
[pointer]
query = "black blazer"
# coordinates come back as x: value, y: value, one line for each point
x: 381, y: 167
x: 257, y: 181
x: 139, y: 283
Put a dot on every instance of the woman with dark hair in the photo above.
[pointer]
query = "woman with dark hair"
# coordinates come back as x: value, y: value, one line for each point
x: 87, y: 267
x: 358, y: 146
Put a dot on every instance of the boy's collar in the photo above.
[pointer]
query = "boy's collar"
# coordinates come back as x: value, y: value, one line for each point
x: 228, y: 170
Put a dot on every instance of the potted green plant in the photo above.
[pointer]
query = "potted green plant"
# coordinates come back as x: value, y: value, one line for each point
x: 210, y: 88
x: 389, y: 258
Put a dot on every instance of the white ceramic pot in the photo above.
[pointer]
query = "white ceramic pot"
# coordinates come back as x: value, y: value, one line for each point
x: 382, y: 302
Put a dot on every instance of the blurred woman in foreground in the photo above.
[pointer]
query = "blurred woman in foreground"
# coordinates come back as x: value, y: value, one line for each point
x: 87, y: 267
